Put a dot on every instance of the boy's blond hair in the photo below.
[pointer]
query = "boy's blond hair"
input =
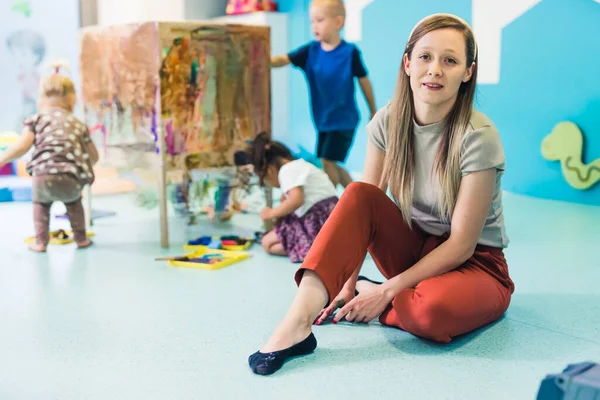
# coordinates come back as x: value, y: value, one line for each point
x: 57, y: 89
x: 336, y: 8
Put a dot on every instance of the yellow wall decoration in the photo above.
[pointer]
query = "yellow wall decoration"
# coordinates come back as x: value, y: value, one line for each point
x: 565, y: 144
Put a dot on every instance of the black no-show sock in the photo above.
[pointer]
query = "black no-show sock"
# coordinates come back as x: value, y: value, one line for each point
x: 268, y: 363
x: 364, y: 278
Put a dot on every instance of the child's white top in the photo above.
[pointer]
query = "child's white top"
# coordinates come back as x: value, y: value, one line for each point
x: 315, y: 183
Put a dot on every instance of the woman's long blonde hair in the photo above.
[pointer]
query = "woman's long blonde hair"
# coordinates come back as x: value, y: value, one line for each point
x: 399, y: 164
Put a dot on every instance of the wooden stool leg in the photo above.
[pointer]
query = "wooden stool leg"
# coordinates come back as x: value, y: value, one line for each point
x: 269, y: 197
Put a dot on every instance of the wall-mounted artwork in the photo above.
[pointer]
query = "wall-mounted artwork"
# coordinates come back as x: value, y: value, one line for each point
x: 235, y: 7
x: 28, y: 39
x: 565, y: 144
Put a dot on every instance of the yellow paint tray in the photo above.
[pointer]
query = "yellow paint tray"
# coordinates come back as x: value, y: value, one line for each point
x: 241, y: 247
x: 228, y: 258
x: 198, y: 247
x: 55, y: 240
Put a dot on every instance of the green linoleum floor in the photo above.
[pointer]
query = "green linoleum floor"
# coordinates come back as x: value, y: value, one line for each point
x: 111, y: 323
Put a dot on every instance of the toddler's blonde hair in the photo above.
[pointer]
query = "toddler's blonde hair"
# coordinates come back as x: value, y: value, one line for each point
x: 57, y: 89
x: 335, y: 8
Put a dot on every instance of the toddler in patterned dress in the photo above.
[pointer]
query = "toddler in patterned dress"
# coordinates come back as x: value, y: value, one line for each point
x: 62, y: 159
x: 308, y: 198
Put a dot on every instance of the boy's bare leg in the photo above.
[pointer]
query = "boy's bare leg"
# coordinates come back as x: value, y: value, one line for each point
x: 332, y: 170
x: 344, y: 176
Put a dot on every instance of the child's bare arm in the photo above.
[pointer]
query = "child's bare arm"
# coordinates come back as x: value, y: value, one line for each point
x: 18, y: 149
x: 93, y: 152
x: 367, y: 89
x: 293, y: 201
x: 90, y: 147
x: 280, y: 61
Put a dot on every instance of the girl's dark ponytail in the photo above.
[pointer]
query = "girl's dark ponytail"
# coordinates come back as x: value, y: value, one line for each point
x: 266, y: 152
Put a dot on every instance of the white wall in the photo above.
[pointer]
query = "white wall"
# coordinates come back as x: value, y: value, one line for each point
x: 204, y: 9
x: 88, y: 12
x: 111, y: 12
x: 48, y: 33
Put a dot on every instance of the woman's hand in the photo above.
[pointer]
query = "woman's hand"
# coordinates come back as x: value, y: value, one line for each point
x: 344, y: 297
x: 366, y: 306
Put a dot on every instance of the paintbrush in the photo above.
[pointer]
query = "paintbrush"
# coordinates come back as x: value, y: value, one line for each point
x: 176, y: 258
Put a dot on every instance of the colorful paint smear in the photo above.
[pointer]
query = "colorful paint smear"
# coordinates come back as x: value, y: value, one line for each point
x: 215, y: 88
x: 206, y: 86
x: 119, y: 74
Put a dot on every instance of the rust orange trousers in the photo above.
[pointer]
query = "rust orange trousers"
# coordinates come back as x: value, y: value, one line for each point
x: 440, y: 308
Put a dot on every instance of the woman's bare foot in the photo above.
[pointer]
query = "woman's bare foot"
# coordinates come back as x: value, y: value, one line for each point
x: 37, y: 247
x: 293, y: 336
x: 290, y: 331
x: 291, y: 339
x: 363, y: 286
x: 297, y: 323
x: 85, y: 244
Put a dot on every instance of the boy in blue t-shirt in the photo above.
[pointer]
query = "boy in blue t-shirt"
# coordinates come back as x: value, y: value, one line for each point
x: 330, y: 65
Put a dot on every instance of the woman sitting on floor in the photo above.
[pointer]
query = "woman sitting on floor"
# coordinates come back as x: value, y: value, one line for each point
x: 440, y: 242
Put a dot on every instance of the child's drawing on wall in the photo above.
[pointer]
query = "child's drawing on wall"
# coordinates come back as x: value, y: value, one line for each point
x: 27, y: 49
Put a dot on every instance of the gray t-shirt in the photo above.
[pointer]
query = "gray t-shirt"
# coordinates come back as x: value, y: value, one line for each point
x: 481, y: 149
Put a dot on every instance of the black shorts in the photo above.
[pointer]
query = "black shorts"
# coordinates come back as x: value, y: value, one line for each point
x: 334, y: 145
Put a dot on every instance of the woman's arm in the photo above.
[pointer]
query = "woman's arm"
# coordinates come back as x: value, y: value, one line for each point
x: 373, y: 166
x: 472, y: 208
x: 18, y: 149
x: 93, y: 152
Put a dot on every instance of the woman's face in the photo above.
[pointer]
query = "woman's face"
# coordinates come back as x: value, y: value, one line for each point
x: 437, y: 67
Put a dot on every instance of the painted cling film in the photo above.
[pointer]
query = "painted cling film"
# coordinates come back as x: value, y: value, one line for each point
x: 205, y: 86
x: 119, y: 74
x: 215, y: 88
